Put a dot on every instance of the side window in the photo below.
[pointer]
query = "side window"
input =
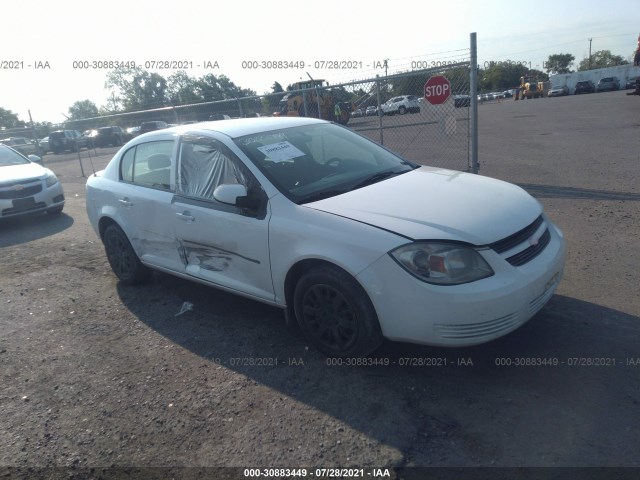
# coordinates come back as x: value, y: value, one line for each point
x: 148, y: 164
x: 206, y: 163
x: 126, y: 165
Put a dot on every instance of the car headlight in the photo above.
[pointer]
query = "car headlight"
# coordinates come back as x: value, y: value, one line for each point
x: 51, y: 179
x: 442, y: 263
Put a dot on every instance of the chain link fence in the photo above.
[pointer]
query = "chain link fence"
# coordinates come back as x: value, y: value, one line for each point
x: 392, y: 110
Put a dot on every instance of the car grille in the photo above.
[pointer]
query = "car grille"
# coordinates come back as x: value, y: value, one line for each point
x: 479, y: 330
x: 8, y: 191
x: 525, y: 236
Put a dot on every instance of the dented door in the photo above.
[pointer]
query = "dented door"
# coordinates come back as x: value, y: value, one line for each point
x: 218, y: 242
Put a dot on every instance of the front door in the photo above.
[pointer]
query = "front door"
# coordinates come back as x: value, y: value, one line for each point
x: 220, y: 243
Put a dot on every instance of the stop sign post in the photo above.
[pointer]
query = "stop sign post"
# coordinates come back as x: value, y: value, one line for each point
x: 437, y: 90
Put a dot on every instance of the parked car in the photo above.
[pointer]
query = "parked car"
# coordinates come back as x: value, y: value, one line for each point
x: 133, y: 131
x: 110, y: 136
x: 401, y: 105
x: 371, y: 111
x: 318, y: 220
x: 558, y: 91
x: 460, y: 101
x: 44, y: 144
x: 26, y: 186
x: 608, y: 84
x: 151, y: 126
x: 358, y: 112
x: 631, y: 83
x: 68, y: 140
x: 585, y: 86
x: 219, y: 116
x: 24, y: 145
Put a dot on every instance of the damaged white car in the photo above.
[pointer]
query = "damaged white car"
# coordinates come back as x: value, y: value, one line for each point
x: 355, y: 243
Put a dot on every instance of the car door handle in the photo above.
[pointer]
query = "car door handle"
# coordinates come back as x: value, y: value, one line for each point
x: 125, y: 201
x: 186, y: 216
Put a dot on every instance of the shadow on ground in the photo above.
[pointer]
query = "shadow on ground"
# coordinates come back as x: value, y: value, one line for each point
x: 445, y: 407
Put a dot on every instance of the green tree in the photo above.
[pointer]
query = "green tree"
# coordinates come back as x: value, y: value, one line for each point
x: 503, y: 76
x: 182, y: 89
x: 559, y: 63
x: 83, y: 109
x: 8, y: 119
x: 601, y: 59
x: 137, y: 89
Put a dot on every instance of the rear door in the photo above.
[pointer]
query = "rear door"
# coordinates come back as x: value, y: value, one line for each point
x: 143, y: 200
x: 220, y: 243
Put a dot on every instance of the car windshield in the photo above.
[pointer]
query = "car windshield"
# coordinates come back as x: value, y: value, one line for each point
x: 8, y: 158
x: 311, y: 162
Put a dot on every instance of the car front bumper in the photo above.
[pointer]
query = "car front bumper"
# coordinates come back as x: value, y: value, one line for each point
x: 32, y: 197
x: 414, y: 311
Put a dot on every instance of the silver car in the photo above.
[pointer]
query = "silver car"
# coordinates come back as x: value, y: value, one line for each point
x: 27, y: 187
x: 401, y: 105
x: 558, y: 91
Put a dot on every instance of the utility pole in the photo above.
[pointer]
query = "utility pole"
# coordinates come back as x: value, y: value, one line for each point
x: 590, y: 53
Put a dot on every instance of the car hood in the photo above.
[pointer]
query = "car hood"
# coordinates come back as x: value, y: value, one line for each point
x: 437, y: 204
x: 26, y: 171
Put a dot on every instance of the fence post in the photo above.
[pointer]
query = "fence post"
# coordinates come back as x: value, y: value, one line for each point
x: 240, y: 107
x: 474, y: 104
x: 379, y: 110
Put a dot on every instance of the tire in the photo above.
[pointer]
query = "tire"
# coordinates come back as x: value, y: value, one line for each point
x: 55, y: 210
x: 402, y: 110
x: 335, y: 313
x: 122, y: 257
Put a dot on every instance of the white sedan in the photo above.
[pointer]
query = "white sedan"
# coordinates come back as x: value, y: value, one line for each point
x: 27, y: 187
x: 355, y: 243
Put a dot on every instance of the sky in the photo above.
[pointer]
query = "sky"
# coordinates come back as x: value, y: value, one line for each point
x: 59, y: 36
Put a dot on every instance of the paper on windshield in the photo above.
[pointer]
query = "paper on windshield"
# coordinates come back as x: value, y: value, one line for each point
x: 281, y: 151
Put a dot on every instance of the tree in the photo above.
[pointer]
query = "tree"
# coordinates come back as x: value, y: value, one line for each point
x: 601, y: 59
x: 83, y: 109
x: 182, y: 89
x: 8, y: 119
x: 559, y: 63
x: 137, y: 89
x: 502, y: 76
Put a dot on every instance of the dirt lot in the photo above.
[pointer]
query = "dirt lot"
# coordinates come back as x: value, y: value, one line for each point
x: 97, y: 375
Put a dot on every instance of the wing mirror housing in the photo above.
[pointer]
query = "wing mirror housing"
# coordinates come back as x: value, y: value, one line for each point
x: 230, y: 193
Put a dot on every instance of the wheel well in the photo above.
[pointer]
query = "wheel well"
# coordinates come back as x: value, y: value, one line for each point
x: 291, y: 280
x: 104, y: 223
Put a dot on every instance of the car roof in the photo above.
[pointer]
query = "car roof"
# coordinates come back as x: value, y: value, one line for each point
x: 239, y: 127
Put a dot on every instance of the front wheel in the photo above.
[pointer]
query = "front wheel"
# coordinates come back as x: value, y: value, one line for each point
x: 122, y: 257
x: 335, y: 313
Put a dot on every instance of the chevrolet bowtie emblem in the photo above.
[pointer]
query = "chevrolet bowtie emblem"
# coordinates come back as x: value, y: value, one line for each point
x: 17, y: 188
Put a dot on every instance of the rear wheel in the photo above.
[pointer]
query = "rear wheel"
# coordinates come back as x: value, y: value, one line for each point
x: 122, y: 257
x: 402, y: 110
x: 335, y: 313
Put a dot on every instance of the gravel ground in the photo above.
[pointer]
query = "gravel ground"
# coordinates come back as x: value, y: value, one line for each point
x: 95, y: 375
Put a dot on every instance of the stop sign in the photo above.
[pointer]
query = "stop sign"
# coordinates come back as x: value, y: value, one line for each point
x: 437, y: 90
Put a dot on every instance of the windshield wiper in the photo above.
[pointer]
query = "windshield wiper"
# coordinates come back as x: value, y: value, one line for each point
x: 321, y: 195
x: 377, y: 177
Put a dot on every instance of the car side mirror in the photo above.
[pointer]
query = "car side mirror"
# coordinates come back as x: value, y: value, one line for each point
x: 229, y: 193
x: 36, y: 159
